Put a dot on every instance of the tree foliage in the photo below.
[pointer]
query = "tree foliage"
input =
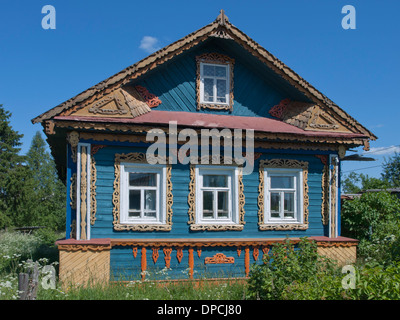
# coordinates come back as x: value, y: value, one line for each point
x: 391, y: 170
x: 30, y: 191
x: 47, y: 191
x: 355, y: 183
x: 13, y: 172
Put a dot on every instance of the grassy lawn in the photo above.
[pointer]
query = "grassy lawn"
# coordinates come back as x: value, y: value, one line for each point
x: 16, y: 249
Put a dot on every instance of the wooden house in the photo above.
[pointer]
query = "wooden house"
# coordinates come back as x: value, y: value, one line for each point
x: 132, y: 213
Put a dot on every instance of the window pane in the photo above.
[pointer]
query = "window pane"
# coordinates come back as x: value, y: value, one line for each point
x: 220, y: 71
x: 222, y: 204
x: 208, y: 89
x: 208, y: 200
x: 282, y: 182
x: 221, y: 90
x: 275, y: 205
x: 289, y: 205
x: 150, y: 199
x: 208, y: 71
x: 142, y: 179
x: 134, y: 214
x: 150, y: 214
x: 134, y: 200
x: 215, y: 181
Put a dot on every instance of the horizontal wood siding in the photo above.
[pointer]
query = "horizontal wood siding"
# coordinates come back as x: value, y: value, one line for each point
x: 254, y: 92
x: 180, y: 177
x: 125, y: 266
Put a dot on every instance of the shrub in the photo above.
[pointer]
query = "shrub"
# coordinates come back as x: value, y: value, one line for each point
x: 377, y: 282
x: 288, y: 268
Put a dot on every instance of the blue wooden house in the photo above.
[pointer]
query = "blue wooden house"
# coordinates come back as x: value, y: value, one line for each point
x: 195, y: 160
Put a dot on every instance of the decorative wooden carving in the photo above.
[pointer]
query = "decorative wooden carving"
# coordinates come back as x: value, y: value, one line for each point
x: 83, y: 247
x: 179, y: 254
x: 155, y: 254
x: 83, y: 193
x: 282, y: 163
x: 215, y: 58
x: 301, y: 142
x: 219, y: 258
x: 167, y: 257
x: 199, y: 252
x: 265, y: 251
x: 96, y: 147
x: 151, y: 99
x: 278, y: 110
x: 327, y: 123
x: 72, y: 191
x: 333, y: 193
x: 139, y: 158
x: 255, y: 253
x: 100, y: 106
x: 93, y: 199
x: 72, y: 234
x: 134, y: 251
x: 239, y: 250
x: 73, y: 140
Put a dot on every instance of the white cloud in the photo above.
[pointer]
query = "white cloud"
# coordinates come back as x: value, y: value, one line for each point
x: 383, y: 150
x: 149, y: 44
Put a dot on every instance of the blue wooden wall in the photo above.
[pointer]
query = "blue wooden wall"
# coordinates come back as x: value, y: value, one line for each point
x: 180, y: 177
x: 256, y: 88
x: 125, y: 267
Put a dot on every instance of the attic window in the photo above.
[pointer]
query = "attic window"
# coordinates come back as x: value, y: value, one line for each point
x: 214, y: 81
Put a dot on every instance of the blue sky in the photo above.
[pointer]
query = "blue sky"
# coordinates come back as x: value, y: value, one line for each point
x: 358, y: 69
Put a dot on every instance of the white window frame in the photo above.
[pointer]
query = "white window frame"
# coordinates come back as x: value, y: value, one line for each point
x: 298, y: 196
x: 215, y: 78
x: 161, y: 179
x: 233, y: 194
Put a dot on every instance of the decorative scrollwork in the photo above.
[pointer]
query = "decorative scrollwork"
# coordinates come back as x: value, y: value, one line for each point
x: 219, y: 258
x: 282, y: 163
x: 139, y: 157
x: 214, y: 227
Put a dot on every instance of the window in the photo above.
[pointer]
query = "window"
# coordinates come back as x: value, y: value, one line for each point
x: 283, y: 194
x: 217, y: 195
x: 142, y: 194
x: 214, y: 85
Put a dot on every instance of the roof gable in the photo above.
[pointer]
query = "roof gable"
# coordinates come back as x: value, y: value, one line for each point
x: 116, y: 85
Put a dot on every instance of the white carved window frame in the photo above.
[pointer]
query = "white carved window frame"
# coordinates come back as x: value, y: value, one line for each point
x: 297, y: 175
x: 161, y: 172
x: 233, y: 205
x: 263, y: 201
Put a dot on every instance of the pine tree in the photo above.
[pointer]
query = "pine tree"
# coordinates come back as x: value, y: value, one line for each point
x: 48, y: 192
x: 13, y: 172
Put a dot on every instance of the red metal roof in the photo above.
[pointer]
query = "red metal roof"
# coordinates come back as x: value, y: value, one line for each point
x: 205, y: 120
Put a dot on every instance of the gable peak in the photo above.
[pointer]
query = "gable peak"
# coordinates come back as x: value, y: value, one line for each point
x: 222, y: 18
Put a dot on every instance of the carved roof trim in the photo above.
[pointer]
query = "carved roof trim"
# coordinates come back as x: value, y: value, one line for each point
x: 174, y: 49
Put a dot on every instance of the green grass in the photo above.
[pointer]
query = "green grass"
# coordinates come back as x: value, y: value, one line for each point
x: 16, y: 248
x: 151, y: 290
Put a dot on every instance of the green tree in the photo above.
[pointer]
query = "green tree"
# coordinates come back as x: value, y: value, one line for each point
x: 47, y: 202
x: 391, y: 170
x: 13, y: 172
x: 355, y: 183
x: 374, y: 219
